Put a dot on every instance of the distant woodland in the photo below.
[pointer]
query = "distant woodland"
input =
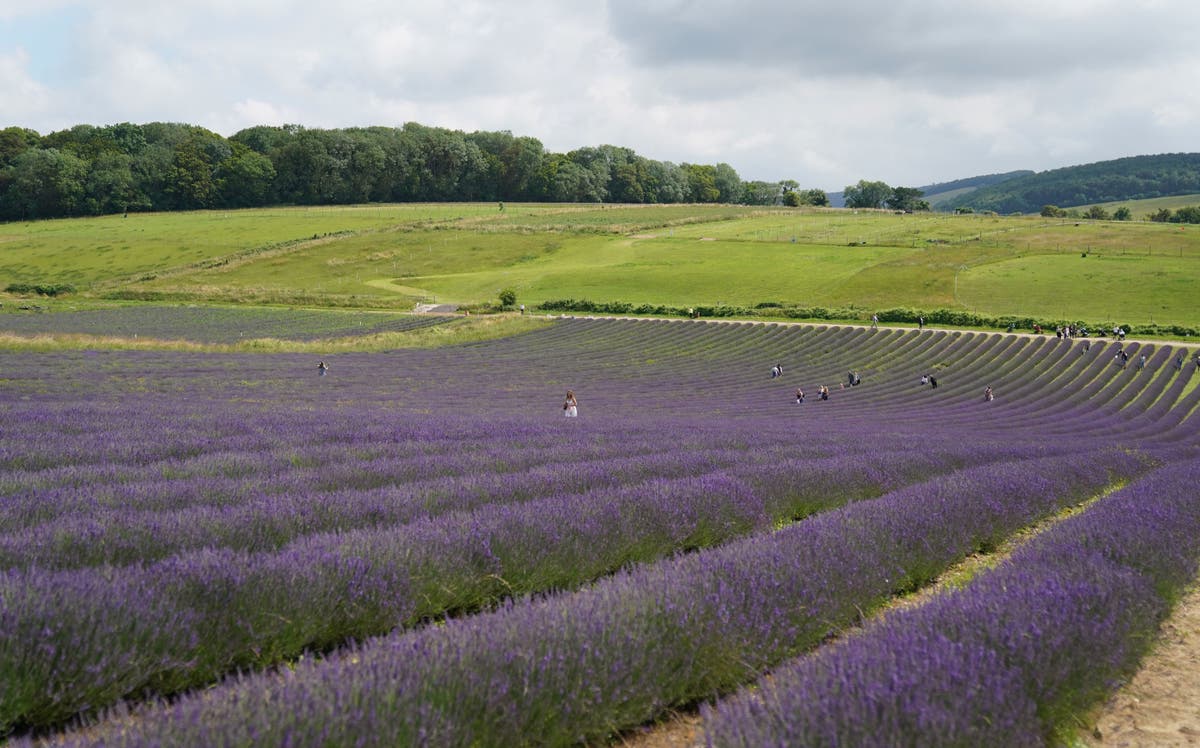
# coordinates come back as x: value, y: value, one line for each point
x: 1132, y: 178
x: 88, y: 170
x: 161, y: 166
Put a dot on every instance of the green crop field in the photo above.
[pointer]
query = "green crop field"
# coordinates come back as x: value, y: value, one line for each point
x: 1142, y: 208
x: 394, y: 256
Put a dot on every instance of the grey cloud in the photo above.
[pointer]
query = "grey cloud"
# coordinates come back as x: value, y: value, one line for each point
x: 955, y: 43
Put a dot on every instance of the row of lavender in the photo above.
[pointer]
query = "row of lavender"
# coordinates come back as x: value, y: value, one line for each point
x: 577, y: 667
x: 1008, y: 660
x: 209, y: 606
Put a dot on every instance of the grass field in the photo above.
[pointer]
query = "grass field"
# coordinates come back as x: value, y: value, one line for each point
x: 1135, y: 285
x: 1141, y: 208
x: 394, y: 256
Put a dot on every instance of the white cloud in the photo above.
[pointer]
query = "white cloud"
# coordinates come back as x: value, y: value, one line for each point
x: 21, y: 97
x: 905, y: 91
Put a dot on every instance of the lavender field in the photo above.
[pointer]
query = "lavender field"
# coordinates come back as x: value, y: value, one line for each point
x: 417, y: 548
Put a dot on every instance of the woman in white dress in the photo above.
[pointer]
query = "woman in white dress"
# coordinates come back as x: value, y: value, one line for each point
x: 570, y: 406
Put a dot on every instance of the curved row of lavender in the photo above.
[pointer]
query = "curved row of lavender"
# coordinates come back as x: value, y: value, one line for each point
x: 188, y: 482
x: 576, y: 667
x: 1010, y: 659
x: 248, y: 500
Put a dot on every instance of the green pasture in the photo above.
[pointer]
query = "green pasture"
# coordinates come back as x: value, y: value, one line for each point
x: 602, y: 218
x: 86, y: 251
x: 1141, y: 208
x: 1109, y: 286
x: 393, y: 256
x: 673, y: 271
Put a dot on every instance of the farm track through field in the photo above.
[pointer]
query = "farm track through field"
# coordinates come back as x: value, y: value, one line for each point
x: 258, y: 460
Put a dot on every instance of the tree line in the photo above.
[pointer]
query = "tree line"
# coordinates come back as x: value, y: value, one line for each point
x: 874, y: 194
x: 1186, y: 214
x: 91, y: 170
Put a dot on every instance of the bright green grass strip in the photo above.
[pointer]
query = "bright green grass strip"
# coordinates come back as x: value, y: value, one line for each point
x: 83, y: 251
x: 1160, y: 287
x: 458, y: 332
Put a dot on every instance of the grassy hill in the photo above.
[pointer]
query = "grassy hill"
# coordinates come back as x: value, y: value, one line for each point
x: 1142, y: 208
x: 948, y: 195
x: 395, y: 256
x: 1133, y: 178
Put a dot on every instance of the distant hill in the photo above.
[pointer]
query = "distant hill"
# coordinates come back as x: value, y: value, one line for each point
x: 946, y: 195
x: 1131, y: 178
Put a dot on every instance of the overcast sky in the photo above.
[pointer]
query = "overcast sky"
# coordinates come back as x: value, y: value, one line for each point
x: 910, y: 93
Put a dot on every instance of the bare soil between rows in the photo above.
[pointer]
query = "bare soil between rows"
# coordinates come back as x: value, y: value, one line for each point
x: 1160, y: 706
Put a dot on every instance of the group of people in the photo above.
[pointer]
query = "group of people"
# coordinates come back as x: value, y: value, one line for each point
x: 853, y: 379
x: 822, y: 394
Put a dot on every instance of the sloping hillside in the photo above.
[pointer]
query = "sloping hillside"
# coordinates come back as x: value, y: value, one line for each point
x: 1132, y: 178
x: 949, y: 195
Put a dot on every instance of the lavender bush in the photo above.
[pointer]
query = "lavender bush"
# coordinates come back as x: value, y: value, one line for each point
x: 576, y: 667
x: 1011, y: 659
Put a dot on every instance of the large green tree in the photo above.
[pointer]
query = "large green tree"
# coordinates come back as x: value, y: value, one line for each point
x: 44, y: 182
x: 867, y: 194
x: 906, y: 199
x: 701, y: 183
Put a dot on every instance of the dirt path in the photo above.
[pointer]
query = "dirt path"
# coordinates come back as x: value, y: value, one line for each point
x: 1161, y: 705
x: 681, y: 730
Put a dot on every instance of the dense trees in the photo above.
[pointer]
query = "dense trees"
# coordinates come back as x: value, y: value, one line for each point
x: 868, y: 194
x: 1187, y: 214
x: 1132, y: 178
x: 88, y: 170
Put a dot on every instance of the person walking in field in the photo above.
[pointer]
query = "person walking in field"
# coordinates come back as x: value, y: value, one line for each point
x: 932, y: 382
x: 799, y: 395
x: 874, y: 321
x: 1142, y: 362
x: 987, y: 394
x: 322, y: 368
x: 570, y: 405
x: 921, y: 322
